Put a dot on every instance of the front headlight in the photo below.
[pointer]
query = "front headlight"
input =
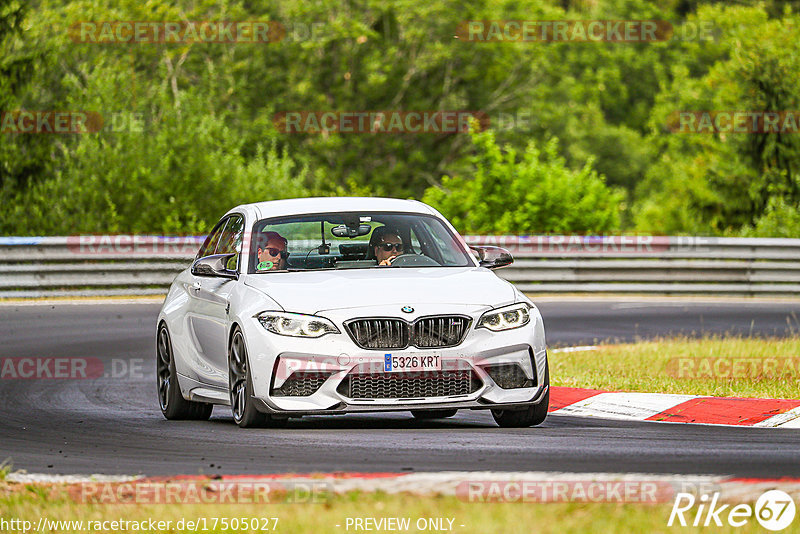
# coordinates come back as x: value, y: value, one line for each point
x: 506, y: 318
x: 296, y: 324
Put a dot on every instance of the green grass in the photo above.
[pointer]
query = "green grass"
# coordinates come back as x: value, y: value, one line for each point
x: 5, y: 469
x: 766, y: 368
x: 23, y: 502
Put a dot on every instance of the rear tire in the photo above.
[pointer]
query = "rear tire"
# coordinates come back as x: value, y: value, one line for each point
x: 243, y: 407
x: 533, y: 415
x: 170, y: 399
x: 433, y: 414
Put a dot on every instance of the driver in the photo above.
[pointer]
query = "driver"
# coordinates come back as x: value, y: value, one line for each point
x: 272, y: 252
x: 386, y: 244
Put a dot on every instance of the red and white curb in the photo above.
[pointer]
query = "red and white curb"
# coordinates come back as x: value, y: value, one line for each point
x: 671, y: 408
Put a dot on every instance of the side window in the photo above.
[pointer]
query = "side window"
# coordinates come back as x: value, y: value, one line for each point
x: 437, y: 243
x: 211, y: 241
x: 231, y: 240
x: 415, y: 244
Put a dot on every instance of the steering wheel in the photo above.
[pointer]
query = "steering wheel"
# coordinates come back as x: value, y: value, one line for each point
x: 413, y: 260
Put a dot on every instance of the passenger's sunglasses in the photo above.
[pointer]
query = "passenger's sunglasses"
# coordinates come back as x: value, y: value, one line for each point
x: 387, y: 247
x: 274, y: 252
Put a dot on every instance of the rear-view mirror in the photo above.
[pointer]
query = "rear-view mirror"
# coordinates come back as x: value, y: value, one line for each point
x: 351, y: 231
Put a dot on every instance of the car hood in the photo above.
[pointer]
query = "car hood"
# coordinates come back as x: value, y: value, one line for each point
x: 317, y: 291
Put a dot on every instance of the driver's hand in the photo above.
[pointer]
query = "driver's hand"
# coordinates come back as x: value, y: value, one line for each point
x: 387, y: 261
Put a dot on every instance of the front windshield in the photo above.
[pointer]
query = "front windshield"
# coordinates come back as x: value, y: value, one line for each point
x: 351, y: 240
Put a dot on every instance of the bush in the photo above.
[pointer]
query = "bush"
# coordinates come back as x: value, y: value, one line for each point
x: 780, y: 219
x: 177, y: 176
x: 532, y: 192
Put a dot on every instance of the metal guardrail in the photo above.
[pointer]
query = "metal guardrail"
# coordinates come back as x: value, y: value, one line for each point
x: 145, y: 265
x: 651, y: 264
x: 92, y: 265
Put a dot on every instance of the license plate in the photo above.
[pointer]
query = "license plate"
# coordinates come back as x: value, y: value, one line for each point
x: 393, y: 363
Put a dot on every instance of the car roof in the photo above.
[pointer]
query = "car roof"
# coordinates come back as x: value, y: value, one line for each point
x: 302, y: 206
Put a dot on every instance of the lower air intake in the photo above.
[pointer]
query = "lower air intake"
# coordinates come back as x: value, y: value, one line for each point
x: 301, y: 384
x: 509, y: 376
x: 409, y: 385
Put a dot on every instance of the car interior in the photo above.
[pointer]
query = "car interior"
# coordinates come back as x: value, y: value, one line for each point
x: 341, y: 241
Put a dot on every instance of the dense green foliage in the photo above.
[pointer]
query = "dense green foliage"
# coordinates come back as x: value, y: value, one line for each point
x: 544, y: 193
x: 580, y: 136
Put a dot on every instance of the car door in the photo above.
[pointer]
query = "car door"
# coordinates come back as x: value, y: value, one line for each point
x: 209, y: 308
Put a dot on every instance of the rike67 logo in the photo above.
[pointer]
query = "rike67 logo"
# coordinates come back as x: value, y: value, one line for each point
x: 774, y: 510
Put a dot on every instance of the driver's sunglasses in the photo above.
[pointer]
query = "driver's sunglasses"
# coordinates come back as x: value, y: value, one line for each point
x: 387, y: 247
x: 274, y: 252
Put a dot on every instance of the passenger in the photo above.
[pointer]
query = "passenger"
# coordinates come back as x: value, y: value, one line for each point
x: 272, y: 252
x: 385, y: 244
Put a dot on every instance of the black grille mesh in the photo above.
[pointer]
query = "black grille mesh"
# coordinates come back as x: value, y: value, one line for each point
x: 302, y: 384
x: 509, y: 376
x: 428, y: 332
x: 360, y: 384
x: 445, y: 331
x: 379, y: 333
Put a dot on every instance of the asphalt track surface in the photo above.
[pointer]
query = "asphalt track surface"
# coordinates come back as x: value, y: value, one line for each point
x: 113, y: 425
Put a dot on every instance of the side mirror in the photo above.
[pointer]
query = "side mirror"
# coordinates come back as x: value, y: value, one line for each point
x: 493, y: 257
x: 216, y: 266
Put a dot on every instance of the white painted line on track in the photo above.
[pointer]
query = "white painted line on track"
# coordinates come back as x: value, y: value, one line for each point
x: 582, y: 348
x: 22, y: 477
x: 70, y: 301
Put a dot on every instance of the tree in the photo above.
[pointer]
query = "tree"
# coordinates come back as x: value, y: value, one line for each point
x: 21, y: 157
x: 723, y: 183
x: 533, y: 192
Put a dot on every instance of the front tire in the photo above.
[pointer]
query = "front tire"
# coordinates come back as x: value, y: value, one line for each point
x: 243, y: 407
x: 170, y: 399
x: 533, y: 415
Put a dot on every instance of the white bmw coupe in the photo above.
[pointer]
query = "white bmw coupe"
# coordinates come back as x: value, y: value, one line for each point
x: 340, y: 305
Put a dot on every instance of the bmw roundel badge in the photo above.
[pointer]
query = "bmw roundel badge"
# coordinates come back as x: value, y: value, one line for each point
x: 407, y: 309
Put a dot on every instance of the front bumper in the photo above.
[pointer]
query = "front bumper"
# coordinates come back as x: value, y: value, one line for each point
x: 273, y: 359
x: 267, y: 407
